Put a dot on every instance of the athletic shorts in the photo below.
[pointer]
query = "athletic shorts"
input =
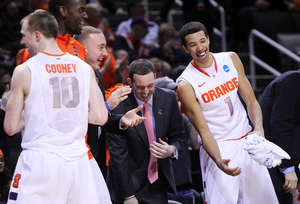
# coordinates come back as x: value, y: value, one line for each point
x: 42, y: 177
x: 252, y: 186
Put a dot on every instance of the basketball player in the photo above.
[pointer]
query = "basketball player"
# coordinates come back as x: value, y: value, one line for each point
x: 51, y: 100
x: 209, y: 90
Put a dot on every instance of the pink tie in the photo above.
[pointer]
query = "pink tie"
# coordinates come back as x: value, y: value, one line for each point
x: 152, y: 167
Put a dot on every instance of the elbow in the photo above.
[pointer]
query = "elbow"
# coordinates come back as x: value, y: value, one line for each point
x: 103, y: 119
x: 9, y: 130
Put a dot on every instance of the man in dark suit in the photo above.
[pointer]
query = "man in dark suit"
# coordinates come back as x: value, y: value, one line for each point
x: 280, y: 105
x: 129, y: 180
x: 95, y: 44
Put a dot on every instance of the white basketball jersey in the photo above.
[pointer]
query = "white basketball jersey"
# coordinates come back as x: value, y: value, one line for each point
x: 217, y: 95
x: 56, y: 109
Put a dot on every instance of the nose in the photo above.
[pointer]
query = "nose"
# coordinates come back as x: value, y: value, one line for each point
x: 145, y: 91
x: 85, y: 16
x: 199, y: 47
x: 22, y: 41
x: 104, y: 52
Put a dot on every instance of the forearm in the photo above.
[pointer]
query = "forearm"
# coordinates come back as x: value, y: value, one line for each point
x: 255, y: 116
x: 193, y: 140
x: 211, y: 147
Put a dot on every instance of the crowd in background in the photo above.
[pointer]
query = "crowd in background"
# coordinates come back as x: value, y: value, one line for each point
x: 136, y: 37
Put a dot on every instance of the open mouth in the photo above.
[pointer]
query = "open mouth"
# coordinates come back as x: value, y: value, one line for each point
x: 202, y: 55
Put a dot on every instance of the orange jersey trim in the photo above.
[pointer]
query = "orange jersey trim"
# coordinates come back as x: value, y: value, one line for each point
x: 89, y: 152
x: 203, y: 72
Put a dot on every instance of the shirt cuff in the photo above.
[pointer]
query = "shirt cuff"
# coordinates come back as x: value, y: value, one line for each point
x: 129, y: 197
x: 175, y: 154
x: 122, y: 127
x: 287, y: 170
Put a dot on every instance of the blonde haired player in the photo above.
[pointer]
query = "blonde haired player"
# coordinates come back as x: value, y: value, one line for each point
x: 209, y: 90
x: 51, y: 99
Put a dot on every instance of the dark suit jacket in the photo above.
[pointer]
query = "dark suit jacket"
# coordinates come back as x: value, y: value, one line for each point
x: 280, y: 104
x: 98, y: 145
x: 129, y: 149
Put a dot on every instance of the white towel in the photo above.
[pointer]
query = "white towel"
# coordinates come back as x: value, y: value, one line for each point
x: 263, y: 151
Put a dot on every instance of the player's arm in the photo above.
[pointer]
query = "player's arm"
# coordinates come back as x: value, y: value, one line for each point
x: 98, y: 113
x: 246, y: 92
x: 20, y: 85
x: 193, y: 110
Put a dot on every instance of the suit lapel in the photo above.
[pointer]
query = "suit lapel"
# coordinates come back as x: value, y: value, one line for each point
x: 140, y: 128
x: 158, y: 113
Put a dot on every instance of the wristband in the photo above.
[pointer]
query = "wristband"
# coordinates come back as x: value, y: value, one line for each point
x: 107, y: 106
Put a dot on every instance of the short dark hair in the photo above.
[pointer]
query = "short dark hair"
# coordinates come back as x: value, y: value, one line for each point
x: 54, y: 5
x: 43, y: 21
x: 190, y: 28
x: 140, y: 67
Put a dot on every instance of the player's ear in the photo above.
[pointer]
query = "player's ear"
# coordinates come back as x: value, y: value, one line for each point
x: 63, y: 11
x: 129, y: 82
x: 185, y: 49
x: 37, y: 36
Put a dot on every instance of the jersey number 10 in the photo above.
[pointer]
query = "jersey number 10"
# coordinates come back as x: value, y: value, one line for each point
x: 70, y: 92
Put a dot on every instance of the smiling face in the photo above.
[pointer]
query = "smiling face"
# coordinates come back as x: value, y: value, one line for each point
x: 197, y: 44
x: 143, y: 85
x: 75, y: 16
x: 95, y: 50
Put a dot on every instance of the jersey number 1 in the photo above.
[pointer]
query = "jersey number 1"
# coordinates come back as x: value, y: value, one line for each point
x: 70, y: 92
x: 230, y: 106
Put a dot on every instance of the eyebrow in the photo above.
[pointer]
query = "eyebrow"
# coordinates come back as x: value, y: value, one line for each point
x: 199, y: 40
x: 101, y: 45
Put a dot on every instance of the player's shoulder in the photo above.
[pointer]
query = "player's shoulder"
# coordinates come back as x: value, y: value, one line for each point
x: 232, y: 55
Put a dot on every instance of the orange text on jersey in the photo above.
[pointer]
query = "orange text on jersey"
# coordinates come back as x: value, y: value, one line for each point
x: 61, y: 68
x: 219, y: 91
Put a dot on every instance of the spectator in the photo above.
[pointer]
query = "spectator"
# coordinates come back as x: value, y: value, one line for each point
x: 280, y: 104
x: 9, y: 33
x: 170, y: 47
x: 135, y: 9
x: 121, y: 68
x: 132, y: 42
x: 5, y: 180
x: 193, y: 10
x: 110, y: 5
x: 95, y: 20
x: 161, y: 67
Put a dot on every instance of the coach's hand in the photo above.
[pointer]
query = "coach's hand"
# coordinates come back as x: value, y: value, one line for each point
x: 290, y: 183
x: 117, y: 96
x: 230, y: 171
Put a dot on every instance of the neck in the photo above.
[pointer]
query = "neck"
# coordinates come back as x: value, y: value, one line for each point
x: 62, y: 29
x: 50, y: 46
x: 206, y: 64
